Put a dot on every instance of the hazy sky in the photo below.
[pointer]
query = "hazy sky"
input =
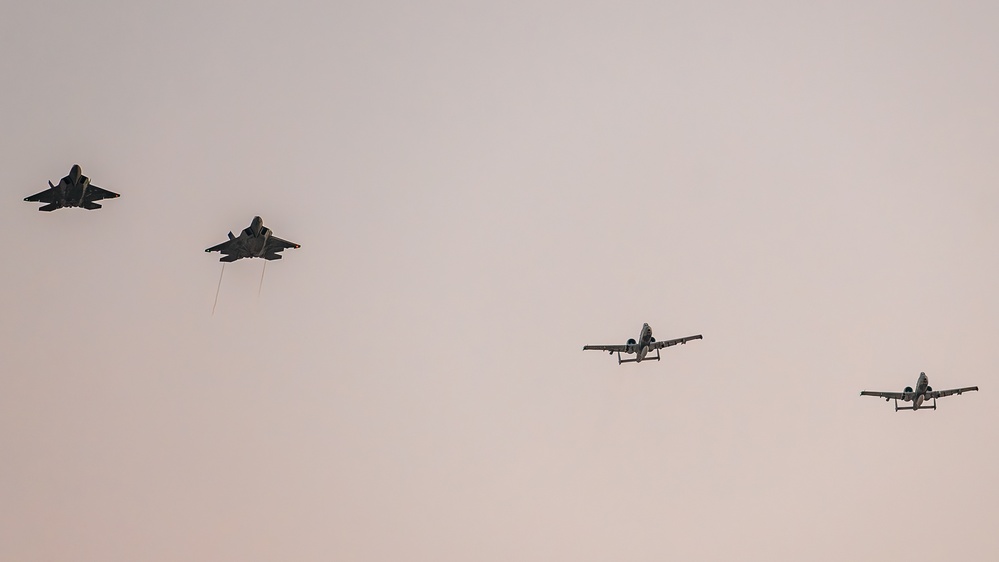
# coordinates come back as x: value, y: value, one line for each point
x: 480, y: 189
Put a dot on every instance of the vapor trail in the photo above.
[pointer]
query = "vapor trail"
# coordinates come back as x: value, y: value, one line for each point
x: 218, y: 289
x: 261, y: 286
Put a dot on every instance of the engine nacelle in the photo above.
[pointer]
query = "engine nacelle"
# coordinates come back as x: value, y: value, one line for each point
x: 929, y: 388
x: 652, y: 340
x: 631, y: 341
x: 907, y: 391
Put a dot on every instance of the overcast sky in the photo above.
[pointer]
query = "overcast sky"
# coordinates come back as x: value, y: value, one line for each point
x: 479, y: 190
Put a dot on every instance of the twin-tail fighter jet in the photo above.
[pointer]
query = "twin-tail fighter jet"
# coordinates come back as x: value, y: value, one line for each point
x: 921, y: 394
x: 256, y: 241
x: 74, y: 190
x: 641, y: 348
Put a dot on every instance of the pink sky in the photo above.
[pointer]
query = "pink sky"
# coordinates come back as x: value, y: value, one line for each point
x: 479, y: 191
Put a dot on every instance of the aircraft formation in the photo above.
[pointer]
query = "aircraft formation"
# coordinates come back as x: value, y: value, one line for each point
x: 257, y: 241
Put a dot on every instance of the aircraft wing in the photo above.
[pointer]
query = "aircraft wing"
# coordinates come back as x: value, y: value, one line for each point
x: 668, y: 343
x: 95, y: 193
x: 611, y: 348
x: 275, y: 244
x: 225, y: 247
x: 47, y: 196
x: 942, y: 393
x: 888, y: 395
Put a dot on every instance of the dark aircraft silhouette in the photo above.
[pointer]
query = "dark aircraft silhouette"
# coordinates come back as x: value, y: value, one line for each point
x: 256, y: 241
x: 923, y: 393
x: 642, y: 347
x: 73, y: 190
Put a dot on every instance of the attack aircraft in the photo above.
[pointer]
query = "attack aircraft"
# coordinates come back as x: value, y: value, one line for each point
x: 642, y: 346
x: 255, y: 241
x: 921, y: 394
x: 74, y: 190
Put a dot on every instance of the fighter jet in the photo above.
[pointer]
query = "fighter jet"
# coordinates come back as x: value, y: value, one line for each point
x: 256, y: 241
x: 73, y: 190
x: 923, y: 392
x: 642, y: 347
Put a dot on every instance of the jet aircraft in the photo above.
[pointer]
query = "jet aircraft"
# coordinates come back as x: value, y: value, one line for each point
x: 922, y: 393
x: 256, y: 241
x: 74, y: 190
x: 642, y: 346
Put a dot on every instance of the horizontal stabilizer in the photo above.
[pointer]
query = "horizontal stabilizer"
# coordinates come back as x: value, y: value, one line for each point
x: 90, y: 205
x: 229, y: 258
x: 272, y: 256
x: 49, y: 207
x: 636, y: 360
x: 924, y: 406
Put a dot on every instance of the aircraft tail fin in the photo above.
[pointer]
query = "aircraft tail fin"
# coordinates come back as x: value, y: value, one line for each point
x: 50, y: 184
x: 231, y: 236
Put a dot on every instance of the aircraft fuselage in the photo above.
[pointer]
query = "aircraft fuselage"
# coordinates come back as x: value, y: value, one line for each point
x: 255, y: 237
x: 919, y: 392
x: 644, y: 340
x: 73, y: 188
